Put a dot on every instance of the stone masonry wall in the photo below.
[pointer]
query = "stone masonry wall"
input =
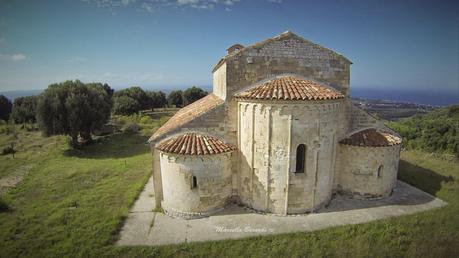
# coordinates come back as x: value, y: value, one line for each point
x: 213, y: 191
x: 269, y: 133
x: 360, y: 173
x: 290, y: 55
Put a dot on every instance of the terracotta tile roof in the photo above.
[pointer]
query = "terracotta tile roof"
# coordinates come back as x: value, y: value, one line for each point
x: 372, y: 138
x: 290, y: 88
x: 188, y: 113
x: 194, y: 144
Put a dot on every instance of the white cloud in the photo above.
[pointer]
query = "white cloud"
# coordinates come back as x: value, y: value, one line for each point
x: 13, y: 57
x: 76, y: 59
x: 147, y: 7
x: 127, y: 2
x: 18, y: 57
x: 275, y: 1
x: 150, y: 5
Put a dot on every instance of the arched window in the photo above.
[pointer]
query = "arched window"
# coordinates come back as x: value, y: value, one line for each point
x: 194, y: 182
x: 380, y: 171
x: 300, y: 158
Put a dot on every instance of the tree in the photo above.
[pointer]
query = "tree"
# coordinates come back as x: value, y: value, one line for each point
x: 192, y: 94
x: 73, y: 108
x: 5, y: 108
x: 157, y: 99
x: 175, y: 98
x: 125, y: 105
x: 137, y: 94
x: 24, y: 109
x: 124, y: 101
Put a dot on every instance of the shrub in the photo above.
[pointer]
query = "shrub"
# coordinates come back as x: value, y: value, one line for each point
x: 24, y: 109
x: 130, y: 128
x: 146, y: 120
x: 3, y: 206
x: 8, y: 150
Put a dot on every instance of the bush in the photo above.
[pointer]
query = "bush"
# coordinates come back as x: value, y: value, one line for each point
x: 24, y: 109
x: 130, y: 128
x: 3, y: 206
x: 146, y: 120
x: 5, y: 108
x: 436, y: 131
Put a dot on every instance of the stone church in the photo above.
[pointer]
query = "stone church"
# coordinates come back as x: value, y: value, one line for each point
x: 278, y: 134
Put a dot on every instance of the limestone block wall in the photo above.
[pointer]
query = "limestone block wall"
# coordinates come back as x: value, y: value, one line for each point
x: 269, y: 133
x: 367, y: 171
x: 213, y: 189
x: 219, y: 81
x: 360, y: 119
x: 290, y: 55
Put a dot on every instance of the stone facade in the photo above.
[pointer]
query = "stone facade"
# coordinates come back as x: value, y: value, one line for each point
x: 195, y: 187
x: 368, y: 172
x: 267, y: 134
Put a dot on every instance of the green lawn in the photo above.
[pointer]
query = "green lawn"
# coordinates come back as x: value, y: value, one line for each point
x: 73, y: 203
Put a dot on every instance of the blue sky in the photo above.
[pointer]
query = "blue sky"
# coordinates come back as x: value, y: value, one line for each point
x: 175, y: 43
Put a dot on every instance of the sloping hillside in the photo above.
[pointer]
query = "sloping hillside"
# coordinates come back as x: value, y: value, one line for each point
x: 436, y: 131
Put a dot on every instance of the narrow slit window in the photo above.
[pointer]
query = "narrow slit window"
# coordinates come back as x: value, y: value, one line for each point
x: 300, y: 158
x: 380, y: 171
x: 194, y: 183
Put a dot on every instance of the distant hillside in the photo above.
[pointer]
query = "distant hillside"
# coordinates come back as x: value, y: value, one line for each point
x: 20, y: 93
x: 392, y: 110
x: 436, y: 131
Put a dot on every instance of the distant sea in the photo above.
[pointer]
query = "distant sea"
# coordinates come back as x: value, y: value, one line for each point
x: 412, y: 96
x: 435, y: 98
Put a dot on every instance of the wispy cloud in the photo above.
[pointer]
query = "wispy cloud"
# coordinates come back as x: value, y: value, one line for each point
x: 13, y: 57
x: 150, y: 5
x: 147, y: 7
x: 75, y: 60
x: 275, y: 1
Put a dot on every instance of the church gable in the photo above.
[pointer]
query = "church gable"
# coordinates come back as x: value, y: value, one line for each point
x: 286, y: 53
x: 290, y: 45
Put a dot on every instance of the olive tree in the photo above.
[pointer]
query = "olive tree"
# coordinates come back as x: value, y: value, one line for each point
x: 74, y: 108
x: 5, y: 108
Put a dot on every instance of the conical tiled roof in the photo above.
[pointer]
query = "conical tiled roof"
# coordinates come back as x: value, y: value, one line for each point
x: 372, y: 138
x: 290, y: 88
x: 194, y: 144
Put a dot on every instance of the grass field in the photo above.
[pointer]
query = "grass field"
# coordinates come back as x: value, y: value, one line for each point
x: 73, y: 203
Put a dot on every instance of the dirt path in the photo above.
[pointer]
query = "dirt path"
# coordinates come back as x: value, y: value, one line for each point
x: 14, y: 178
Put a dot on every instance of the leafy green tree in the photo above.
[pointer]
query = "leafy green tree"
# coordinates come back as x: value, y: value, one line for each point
x: 137, y: 94
x: 125, y: 105
x: 175, y: 98
x: 73, y: 108
x: 157, y: 99
x: 437, y: 131
x: 5, y: 108
x: 192, y: 94
x: 24, y: 109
